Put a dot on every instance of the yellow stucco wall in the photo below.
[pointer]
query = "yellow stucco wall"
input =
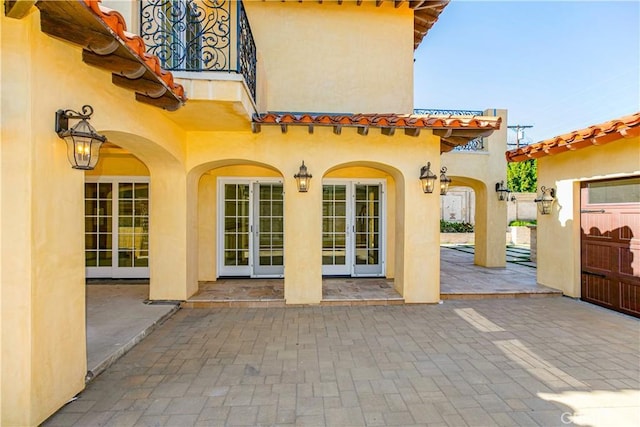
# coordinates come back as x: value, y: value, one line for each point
x: 43, y: 319
x: 335, y: 58
x: 559, y: 232
x: 118, y: 162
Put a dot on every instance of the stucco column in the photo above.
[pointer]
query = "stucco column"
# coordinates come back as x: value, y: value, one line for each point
x: 302, y: 242
x: 419, y: 244
x: 490, y: 229
x: 172, y: 235
x: 42, y: 325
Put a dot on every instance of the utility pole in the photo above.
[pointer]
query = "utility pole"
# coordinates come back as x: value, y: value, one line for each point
x: 519, y: 132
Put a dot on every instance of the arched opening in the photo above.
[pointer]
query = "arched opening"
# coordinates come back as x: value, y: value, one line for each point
x: 360, y: 219
x: 241, y: 217
x: 119, y: 257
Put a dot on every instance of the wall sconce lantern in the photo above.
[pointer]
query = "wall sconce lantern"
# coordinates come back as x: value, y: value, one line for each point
x: 427, y: 178
x: 545, y: 200
x: 83, y: 142
x: 502, y: 191
x: 444, y: 181
x: 302, y: 178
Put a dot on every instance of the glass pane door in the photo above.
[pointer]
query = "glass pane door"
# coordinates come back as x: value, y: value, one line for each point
x: 117, y: 228
x: 335, y: 256
x: 236, y: 231
x: 133, y: 224
x: 252, y: 228
x: 98, y: 219
x: 268, y: 229
x: 367, y: 235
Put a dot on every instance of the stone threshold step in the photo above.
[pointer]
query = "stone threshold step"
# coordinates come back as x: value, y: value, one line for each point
x: 494, y: 295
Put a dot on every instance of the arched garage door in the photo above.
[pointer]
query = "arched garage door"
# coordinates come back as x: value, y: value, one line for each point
x: 610, y: 244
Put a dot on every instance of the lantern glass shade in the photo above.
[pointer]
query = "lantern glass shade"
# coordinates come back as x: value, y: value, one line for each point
x: 545, y: 200
x: 444, y: 182
x: 502, y: 191
x: 303, y: 177
x: 427, y: 178
x: 83, y: 146
x: 83, y: 142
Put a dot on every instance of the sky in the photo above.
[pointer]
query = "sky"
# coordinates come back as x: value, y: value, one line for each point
x: 558, y: 66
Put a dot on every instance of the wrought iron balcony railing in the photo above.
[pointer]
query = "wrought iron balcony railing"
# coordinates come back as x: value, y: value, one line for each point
x: 448, y: 112
x: 200, y: 35
x: 476, y: 144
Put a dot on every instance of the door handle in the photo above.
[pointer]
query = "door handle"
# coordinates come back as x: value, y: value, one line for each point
x: 592, y: 211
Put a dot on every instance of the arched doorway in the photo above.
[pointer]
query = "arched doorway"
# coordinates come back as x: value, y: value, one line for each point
x: 240, y: 220
x: 117, y: 216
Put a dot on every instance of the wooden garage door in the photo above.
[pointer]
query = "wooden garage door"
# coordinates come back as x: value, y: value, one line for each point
x: 610, y: 244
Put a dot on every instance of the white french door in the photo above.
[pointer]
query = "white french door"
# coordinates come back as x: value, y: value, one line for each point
x: 353, y: 228
x: 117, y: 227
x: 251, y: 228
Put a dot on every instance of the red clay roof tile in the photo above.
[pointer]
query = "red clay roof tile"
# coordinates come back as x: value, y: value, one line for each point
x: 603, y: 133
x: 382, y: 120
x: 117, y: 23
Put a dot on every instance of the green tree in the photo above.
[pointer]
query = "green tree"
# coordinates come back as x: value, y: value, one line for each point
x: 522, y: 177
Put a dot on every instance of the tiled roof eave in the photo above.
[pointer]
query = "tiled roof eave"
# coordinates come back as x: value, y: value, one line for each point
x: 381, y: 120
x: 102, y: 33
x: 452, y: 130
x: 604, y: 133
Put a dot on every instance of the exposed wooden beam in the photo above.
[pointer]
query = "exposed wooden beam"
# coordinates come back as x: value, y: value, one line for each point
x: 427, y: 4
x: 397, y: 3
x: 150, y: 88
x: 18, y: 9
x: 284, y: 128
x: 94, y: 41
x: 412, y: 131
x: 363, y: 130
x: 75, y: 22
x: 379, y: 3
x: 388, y: 131
x: 255, y: 127
x: 165, y: 102
x: 310, y: 129
x: 116, y: 64
x: 337, y: 130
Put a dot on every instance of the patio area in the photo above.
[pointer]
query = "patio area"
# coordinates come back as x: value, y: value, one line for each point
x: 119, y: 315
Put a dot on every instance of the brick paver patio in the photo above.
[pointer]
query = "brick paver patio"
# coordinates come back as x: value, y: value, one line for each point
x: 533, y: 361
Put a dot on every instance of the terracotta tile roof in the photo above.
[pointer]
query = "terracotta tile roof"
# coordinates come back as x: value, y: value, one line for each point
x: 452, y: 130
x: 117, y: 23
x: 613, y: 130
x: 381, y: 120
x: 106, y: 43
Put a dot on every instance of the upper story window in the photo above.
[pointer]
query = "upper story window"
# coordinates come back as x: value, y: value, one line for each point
x: 200, y: 35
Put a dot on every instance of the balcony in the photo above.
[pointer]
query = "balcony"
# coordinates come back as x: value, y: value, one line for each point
x: 474, y: 145
x: 209, y: 47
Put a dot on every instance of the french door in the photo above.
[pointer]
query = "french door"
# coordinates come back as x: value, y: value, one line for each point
x: 353, y: 228
x: 251, y: 226
x: 117, y: 227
